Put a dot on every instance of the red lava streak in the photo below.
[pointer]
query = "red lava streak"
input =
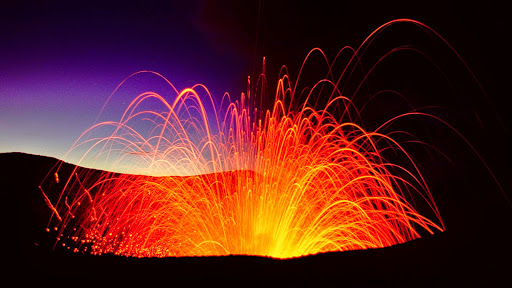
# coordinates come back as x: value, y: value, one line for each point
x: 290, y: 181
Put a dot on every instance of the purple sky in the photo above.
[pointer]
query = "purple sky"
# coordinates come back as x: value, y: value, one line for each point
x: 60, y: 62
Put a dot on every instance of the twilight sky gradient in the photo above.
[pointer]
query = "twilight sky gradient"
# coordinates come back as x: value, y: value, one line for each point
x: 59, y: 62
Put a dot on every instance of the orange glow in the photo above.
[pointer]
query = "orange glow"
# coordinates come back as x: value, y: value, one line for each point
x: 291, y: 181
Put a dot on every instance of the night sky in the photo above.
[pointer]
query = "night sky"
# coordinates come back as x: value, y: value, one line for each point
x: 60, y: 60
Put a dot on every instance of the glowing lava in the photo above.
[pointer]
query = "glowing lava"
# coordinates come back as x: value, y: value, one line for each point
x: 290, y: 181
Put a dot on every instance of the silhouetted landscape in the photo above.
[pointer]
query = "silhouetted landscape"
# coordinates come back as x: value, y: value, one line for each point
x: 474, y: 250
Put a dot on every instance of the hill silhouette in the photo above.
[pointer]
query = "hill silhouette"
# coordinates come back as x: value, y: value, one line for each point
x: 472, y: 251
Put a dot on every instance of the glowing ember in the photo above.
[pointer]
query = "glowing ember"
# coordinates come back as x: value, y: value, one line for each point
x: 291, y: 181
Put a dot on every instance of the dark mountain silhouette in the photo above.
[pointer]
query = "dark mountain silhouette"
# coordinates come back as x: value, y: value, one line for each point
x: 474, y: 250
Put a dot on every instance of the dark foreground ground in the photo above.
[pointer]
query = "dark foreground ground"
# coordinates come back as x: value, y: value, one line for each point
x: 475, y: 250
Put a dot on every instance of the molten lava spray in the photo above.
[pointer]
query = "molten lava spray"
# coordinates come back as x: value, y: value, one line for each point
x: 285, y: 182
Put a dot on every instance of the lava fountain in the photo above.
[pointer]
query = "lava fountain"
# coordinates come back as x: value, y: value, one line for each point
x: 289, y: 181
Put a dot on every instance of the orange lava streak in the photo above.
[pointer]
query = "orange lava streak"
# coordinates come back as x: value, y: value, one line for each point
x: 284, y: 183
